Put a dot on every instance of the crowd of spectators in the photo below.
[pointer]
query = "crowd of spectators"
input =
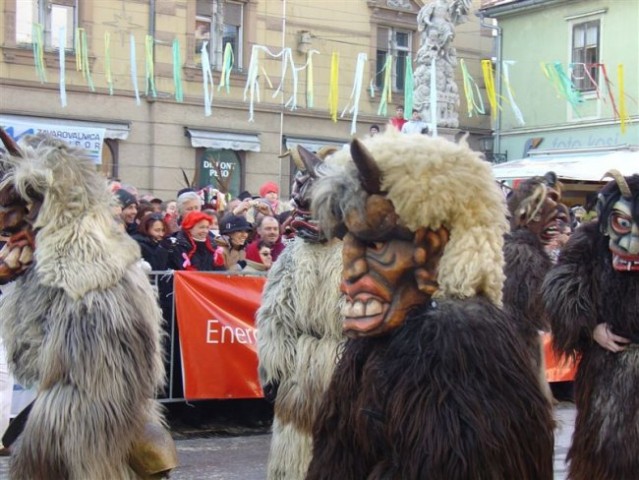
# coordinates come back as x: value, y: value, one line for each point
x: 204, y: 230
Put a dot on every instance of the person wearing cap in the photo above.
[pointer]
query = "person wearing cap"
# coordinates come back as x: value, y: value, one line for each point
x: 129, y: 204
x: 234, y: 230
x: 192, y: 248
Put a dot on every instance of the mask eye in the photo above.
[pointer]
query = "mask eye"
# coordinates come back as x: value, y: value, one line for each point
x: 621, y: 224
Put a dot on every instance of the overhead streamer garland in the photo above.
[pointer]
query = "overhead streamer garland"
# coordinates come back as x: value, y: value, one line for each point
x: 38, y: 52
x: 489, y: 82
x: 386, y: 90
x: 134, y: 70
x: 333, y: 92
x: 470, y: 88
x: 623, y: 112
x: 227, y: 65
x: 107, y: 62
x: 177, y: 71
x: 207, y: 79
x: 356, y: 93
x: 82, y: 56
x: 149, y: 85
x: 252, y: 87
x: 408, y: 86
x: 310, y: 100
x: 506, y: 75
x: 433, y: 98
x: 62, y: 47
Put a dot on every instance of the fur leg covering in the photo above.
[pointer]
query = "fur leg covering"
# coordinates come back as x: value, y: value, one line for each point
x: 300, y: 332
x: 97, y: 365
x: 582, y: 291
x: 449, y: 396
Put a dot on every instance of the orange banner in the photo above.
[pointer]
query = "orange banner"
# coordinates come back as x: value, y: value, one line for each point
x: 558, y: 369
x: 216, y: 321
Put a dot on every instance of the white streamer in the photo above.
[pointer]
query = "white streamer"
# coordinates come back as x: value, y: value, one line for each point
x: 62, y: 45
x: 516, y: 111
x: 134, y: 71
x: 207, y: 79
x: 433, y: 99
x: 356, y: 93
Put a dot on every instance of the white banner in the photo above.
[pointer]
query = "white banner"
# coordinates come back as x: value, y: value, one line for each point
x: 88, y: 138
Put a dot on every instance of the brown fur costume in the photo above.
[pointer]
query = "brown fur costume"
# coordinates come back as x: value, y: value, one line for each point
x: 450, y: 394
x: 82, y: 325
x: 582, y: 291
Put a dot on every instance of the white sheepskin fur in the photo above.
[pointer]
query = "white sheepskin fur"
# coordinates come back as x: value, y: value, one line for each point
x: 82, y: 325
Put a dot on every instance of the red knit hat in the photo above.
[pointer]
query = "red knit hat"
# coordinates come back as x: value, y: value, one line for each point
x: 269, y: 187
x: 193, y: 218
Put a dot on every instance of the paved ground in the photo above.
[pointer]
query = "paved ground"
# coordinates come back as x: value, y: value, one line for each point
x: 243, y: 457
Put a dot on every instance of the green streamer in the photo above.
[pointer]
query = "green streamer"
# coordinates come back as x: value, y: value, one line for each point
x: 408, y: 86
x: 177, y: 71
x: 227, y: 65
x: 38, y: 52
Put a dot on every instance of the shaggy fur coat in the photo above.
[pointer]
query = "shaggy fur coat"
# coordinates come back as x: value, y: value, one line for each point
x: 82, y: 325
x: 582, y: 291
x: 299, y: 333
x: 448, y: 396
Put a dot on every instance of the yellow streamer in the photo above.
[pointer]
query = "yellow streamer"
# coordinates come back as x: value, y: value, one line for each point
x: 623, y: 112
x: 333, y: 94
x: 489, y: 81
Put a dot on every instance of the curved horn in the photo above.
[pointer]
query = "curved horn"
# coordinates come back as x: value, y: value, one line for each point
x: 621, y: 182
x: 311, y: 161
x: 370, y: 175
x: 9, y: 143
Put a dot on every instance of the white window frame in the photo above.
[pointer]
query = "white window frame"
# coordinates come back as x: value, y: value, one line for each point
x: 392, y: 48
x: 216, y: 49
x: 43, y: 10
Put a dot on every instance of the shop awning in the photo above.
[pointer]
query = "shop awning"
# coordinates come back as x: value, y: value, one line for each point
x: 115, y: 131
x: 582, y: 166
x: 223, y: 140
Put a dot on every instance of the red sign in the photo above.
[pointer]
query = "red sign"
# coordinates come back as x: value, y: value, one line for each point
x: 216, y: 320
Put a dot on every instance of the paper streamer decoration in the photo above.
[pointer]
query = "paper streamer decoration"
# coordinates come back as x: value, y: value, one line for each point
x: 506, y: 75
x: 489, y: 82
x: 207, y: 79
x: 408, y: 86
x: 134, y: 70
x: 227, y: 65
x: 433, y: 98
x: 38, y: 52
x: 386, y: 90
x: 82, y: 56
x: 470, y: 89
x: 356, y: 93
x: 108, y: 73
x: 177, y: 71
x: 62, y: 47
x: 623, y: 112
x: 333, y: 92
x: 148, y: 67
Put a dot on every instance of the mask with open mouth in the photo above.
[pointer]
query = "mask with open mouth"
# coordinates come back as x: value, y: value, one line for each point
x: 618, y: 213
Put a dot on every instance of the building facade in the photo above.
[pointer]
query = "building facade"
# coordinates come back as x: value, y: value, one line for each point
x: 133, y: 70
x: 574, y: 73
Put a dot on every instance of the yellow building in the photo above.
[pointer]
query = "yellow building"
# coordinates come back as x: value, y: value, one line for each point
x: 150, y: 137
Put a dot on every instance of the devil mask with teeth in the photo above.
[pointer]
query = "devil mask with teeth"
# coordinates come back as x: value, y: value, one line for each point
x: 432, y: 381
x: 618, y: 213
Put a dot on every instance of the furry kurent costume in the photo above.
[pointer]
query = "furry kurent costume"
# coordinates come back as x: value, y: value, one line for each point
x: 533, y: 208
x: 82, y: 323
x: 300, y: 329
x: 433, y: 381
x: 592, y: 297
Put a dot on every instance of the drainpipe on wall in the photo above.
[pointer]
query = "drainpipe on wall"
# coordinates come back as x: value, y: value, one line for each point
x: 498, y: 68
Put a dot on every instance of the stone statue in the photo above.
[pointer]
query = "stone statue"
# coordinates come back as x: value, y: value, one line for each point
x: 436, y: 23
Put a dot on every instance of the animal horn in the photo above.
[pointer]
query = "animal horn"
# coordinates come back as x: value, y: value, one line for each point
x: 310, y: 160
x: 9, y: 143
x: 621, y: 182
x: 370, y: 175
